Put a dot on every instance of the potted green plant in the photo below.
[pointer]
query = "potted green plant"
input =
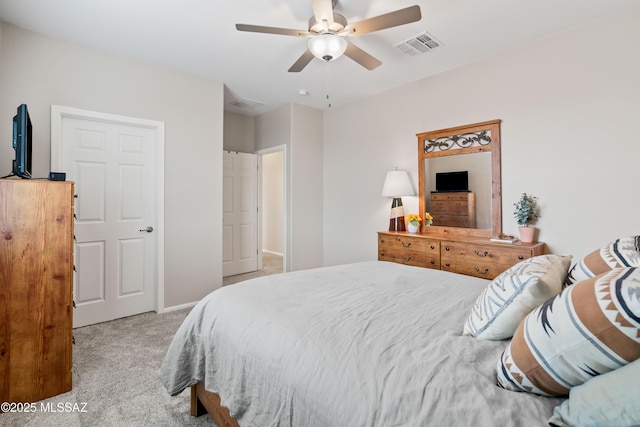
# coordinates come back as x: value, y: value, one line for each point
x: 526, y: 215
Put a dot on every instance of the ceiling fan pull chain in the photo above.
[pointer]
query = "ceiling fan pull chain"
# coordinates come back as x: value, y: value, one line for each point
x: 329, y: 83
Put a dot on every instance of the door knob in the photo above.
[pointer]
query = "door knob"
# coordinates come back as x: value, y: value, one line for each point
x: 149, y: 229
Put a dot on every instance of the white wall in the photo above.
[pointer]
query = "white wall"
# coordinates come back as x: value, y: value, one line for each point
x: 307, y: 187
x: 41, y: 71
x: 272, y: 129
x: 239, y: 132
x: 569, y: 107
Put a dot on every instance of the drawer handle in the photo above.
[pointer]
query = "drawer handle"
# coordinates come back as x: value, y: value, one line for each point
x: 433, y: 247
x: 406, y: 258
x: 486, y: 270
x: 381, y: 240
x: 447, y: 264
x: 432, y: 262
x: 520, y: 257
x: 482, y: 254
x: 446, y: 248
x: 406, y: 245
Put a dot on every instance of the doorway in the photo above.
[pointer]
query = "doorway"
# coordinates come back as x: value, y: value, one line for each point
x: 272, y: 203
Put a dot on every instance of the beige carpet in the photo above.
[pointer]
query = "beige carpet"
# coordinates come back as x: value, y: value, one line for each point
x: 115, y: 380
x: 271, y: 264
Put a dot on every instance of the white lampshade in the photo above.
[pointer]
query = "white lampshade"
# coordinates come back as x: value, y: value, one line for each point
x: 327, y: 46
x: 397, y: 184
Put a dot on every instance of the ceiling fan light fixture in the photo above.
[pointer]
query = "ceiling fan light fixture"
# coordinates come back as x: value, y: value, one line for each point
x: 327, y: 46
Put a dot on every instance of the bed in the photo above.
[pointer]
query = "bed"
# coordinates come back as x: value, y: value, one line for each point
x: 364, y: 344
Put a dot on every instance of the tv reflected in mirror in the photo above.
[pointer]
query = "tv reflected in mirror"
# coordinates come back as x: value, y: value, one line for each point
x: 448, y: 182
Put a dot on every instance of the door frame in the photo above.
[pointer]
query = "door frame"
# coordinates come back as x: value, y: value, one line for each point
x: 58, y: 113
x: 285, y: 200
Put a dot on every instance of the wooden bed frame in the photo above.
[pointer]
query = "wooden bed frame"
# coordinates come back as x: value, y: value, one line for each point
x: 203, y: 401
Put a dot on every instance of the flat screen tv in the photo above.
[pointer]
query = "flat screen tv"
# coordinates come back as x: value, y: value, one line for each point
x: 22, y: 142
x: 447, y: 182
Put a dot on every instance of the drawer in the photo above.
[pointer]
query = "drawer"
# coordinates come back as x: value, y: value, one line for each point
x: 450, y: 208
x: 471, y: 252
x: 410, y: 250
x: 406, y: 243
x: 450, y: 196
x: 518, y: 255
x: 418, y: 259
x: 475, y: 259
x: 454, y: 221
x: 477, y: 268
x: 486, y: 261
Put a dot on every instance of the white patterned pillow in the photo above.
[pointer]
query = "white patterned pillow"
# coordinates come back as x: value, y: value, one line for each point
x: 623, y: 252
x: 590, y: 328
x: 513, y: 294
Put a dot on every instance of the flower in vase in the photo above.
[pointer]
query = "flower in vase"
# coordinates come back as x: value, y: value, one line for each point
x: 413, y: 219
x: 428, y: 219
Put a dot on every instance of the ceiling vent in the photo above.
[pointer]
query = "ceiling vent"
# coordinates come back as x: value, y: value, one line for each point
x: 422, y: 43
x: 247, y: 104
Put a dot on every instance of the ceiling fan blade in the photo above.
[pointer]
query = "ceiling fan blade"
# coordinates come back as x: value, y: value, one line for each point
x: 301, y: 62
x: 271, y: 30
x: 323, y: 11
x: 361, y: 57
x: 388, y: 20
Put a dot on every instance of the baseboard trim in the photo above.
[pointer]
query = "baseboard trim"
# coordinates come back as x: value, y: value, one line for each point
x: 272, y: 252
x: 178, y: 307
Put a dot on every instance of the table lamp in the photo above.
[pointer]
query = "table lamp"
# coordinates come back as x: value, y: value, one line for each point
x: 396, y: 185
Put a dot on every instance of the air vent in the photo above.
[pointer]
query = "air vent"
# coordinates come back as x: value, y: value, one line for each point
x: 247, y: 104
x: 422, y: 43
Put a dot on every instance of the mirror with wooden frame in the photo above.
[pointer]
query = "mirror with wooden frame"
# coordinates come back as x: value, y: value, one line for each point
x: 454, y: 157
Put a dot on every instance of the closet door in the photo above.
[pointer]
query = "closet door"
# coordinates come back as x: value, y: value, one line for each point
x: 240, y: 213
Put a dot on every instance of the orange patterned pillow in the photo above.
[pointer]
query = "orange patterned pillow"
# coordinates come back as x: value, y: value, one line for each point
x: 623, y: 252
x: 588, y: 329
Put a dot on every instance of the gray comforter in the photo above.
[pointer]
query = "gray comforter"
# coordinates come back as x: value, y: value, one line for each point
x: 364, y: 344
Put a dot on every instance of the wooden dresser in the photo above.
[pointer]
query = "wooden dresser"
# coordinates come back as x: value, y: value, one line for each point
x: 459, y: 254
x: 453, y: 209
x: 36, y: 281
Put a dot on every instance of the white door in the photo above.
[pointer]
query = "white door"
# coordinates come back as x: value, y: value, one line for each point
x: 240, y: 213
x: 114, y: 166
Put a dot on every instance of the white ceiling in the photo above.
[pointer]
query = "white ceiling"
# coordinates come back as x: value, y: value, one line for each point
x: 199, y: 37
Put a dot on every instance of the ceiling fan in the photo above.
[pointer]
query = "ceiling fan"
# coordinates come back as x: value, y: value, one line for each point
x: 328, y: 31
